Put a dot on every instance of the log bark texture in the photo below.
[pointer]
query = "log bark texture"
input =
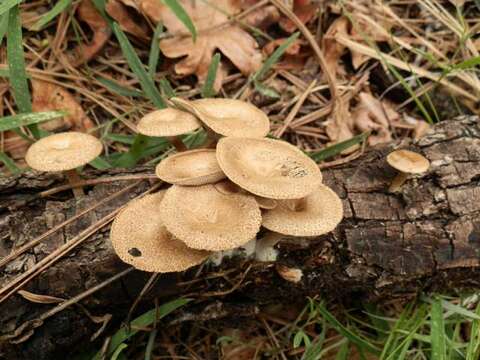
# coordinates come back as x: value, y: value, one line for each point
x: 424, y: 238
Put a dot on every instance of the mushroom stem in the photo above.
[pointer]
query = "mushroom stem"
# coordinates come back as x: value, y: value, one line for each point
x: 74, y: 180
x: 398, y: 182
x: 177, y: 143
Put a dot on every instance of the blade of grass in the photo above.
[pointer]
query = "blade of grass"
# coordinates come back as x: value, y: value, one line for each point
x: 342, y: 330
x: 16, y: 121
x: 473, y: 349
x: 16, y: 65
x: 147, y: 319
x: 9, y: 163
x: 338, y: 148
x: 60, y: 6
x: 313, y: 351
x: 454, y: 308
x: 208, y: 90
x: 273, y: 59
x: 166, y: 88
x: 150, y: 344
x: 182, y: 15
x: 119, y: 89
x: 100, y: 163
x: 343, y: 352
x: 137, y: 67
x: 117, y: 353
x: 437, y: 331
x: 3, y: 25
x: 6, y: 5
x: 154, y: 51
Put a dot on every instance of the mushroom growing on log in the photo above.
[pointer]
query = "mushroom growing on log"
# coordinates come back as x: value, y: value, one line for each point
x: 425, y: 237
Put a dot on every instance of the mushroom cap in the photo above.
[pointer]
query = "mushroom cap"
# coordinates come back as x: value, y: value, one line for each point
x: 204, y: 218
x: 408, y: 161
x: 317, y: 214
x: 140, y: 239
x: 63, y: 151
x: 229, y: 117
x: 193, y: 167
x: 167, y: 122
x: 270, y: 168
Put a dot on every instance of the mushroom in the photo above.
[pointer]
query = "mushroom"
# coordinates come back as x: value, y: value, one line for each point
x: 316, y: 214
x: 406, y: 162
x: 204, y: 218
x: 169, y: 123
x: 64, y: 152
x: 228, y: 117
x: 227, y: 187
x: 140, y: 239
x: 268, y: 168
x: 194, y: 167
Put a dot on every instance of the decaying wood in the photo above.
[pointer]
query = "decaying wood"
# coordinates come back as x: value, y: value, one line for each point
x: 424, y: 238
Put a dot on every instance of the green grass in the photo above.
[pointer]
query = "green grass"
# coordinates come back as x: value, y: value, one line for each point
x: 432, y: 328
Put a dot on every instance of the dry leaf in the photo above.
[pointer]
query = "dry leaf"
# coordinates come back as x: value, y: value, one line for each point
x: 264, y: 17
x: 293, y: 49
x: 47, y: 96
x: 123, y: 16
x: 213, y: 32
x: 40, y: 299
x: 375, y: 115
x: 101, y: 33
x: 332, y: 49
x: 305, y: 11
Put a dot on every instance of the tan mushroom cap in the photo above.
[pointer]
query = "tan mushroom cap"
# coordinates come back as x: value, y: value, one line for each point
x: 63, y: 151
x: 204, y: 218
x: 270, y: 168
x: 167, y: 122
x: 194, y: 167
x: 317, y: 214
x: 408, y: 161
x: 229, y: 117
x: 140, y: 239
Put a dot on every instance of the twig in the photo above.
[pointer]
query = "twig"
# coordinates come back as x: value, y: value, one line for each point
x: 295, y: 110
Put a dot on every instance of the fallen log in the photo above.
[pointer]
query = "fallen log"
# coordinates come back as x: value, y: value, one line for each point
x: 389, y: 245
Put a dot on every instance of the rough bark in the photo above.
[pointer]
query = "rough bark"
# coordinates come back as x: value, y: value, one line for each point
x: 424, y: 238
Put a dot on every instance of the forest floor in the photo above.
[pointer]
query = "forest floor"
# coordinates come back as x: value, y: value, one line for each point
x: 339, y: 75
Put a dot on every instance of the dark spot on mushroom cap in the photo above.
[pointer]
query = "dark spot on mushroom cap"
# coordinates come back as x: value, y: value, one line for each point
x: 135, y: 252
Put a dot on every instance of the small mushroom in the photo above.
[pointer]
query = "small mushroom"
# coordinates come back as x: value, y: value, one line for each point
x: 193, y: 167
x: 317, y: 214
x: 169, y: 123
x: 228, y: 117
x: 228, y: 187
x: 204, y: 218
x: 406, y: 162
x: 140, y: 239
x: 64, y: 152
x: 269, y: 168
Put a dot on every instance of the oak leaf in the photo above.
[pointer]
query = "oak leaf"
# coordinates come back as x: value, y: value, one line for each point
x: 214, y: 31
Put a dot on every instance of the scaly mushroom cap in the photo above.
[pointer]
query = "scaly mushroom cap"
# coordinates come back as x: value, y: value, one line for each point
x: 317, y: 214
x: 204, y: 218
x: 63, y: 151
x: 229, y: 117
x: 140, y: 239
x: 194, y: 167
x: 167, y: 122
x: 269, y: 168
x: 408, y: 161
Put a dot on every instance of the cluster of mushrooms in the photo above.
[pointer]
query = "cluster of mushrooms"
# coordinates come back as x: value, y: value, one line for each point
x: 222, y: 194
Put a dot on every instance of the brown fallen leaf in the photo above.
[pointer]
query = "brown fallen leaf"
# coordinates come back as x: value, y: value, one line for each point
x: 305, y: 11
x: 123, y: 16
x: 40, y: 299
x: 214, y: 31
x: 332, y: 49
x: 47, y: 96
x: 375, y: 115
x: 101, y: 33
